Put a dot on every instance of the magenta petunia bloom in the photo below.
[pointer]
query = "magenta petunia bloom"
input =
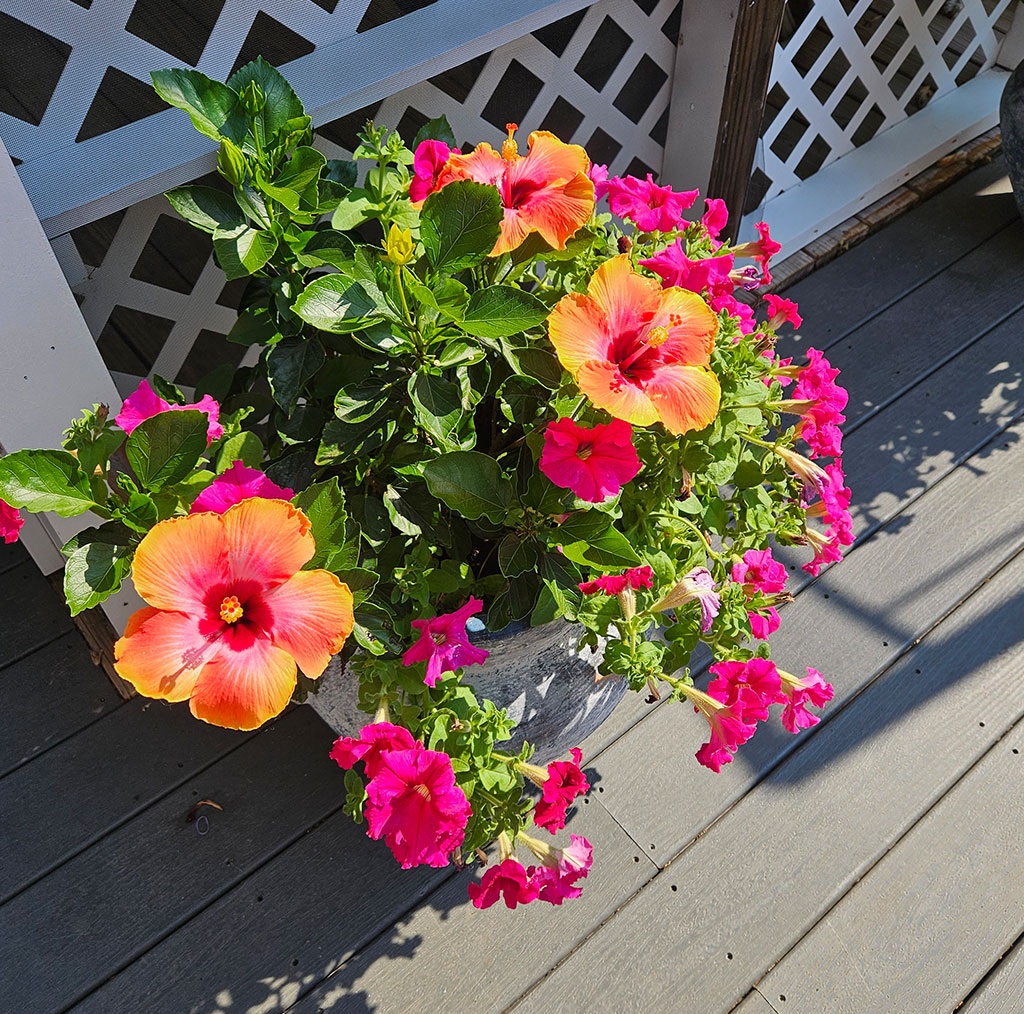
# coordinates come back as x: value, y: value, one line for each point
x: 594, y: 463
x: 443, y: 643
x: 598, y: 175
x: 763, y: 623
x: 833, y: 508
x: 145, y: 403
x: 761, y: 249
x: 798, y: 693
x: 741, y: 311
x: 414, y: 804
x: 730, y: 729
x: 749, y: 687
x: 509, y: 880
x: 716, y: 218
x: 10, y: 522
x: 782, y: 311
x: 234, y: 485
x: 709, y: 275
x: 612, y: 584
x: 820, y: 424
x: 564, y: 783
x: 652, y: 208
x: 428, y: 161
x: 759, y: 571
x: 373, y: 740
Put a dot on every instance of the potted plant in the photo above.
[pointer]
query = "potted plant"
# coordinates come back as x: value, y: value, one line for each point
x: 479, y: 400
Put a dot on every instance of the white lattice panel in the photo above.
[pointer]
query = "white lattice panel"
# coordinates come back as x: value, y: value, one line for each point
x: 601, y: 77
x: 852, y: 69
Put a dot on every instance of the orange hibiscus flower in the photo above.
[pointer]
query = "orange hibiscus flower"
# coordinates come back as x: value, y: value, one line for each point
x: 637, y: 350
x: 546, y: 191
x: 231, y: 613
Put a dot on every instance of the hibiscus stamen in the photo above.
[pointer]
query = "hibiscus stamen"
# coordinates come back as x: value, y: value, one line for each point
x: 231, y: 610
x: 651, y: 340
x: 509, y: 148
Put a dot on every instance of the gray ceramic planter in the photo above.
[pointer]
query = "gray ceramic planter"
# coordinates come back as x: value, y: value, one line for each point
x: 537, y: 673
x: 1011, y: 124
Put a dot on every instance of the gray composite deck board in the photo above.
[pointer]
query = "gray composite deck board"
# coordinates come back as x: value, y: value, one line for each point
x: 61, y: 670
x: 921, y: 929
x: 864, y: 281
x: 729, y: 907
x: 67, y: 933
x: 285, y: 904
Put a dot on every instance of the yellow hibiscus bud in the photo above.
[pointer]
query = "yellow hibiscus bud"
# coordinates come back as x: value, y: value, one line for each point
x: 399, y: 246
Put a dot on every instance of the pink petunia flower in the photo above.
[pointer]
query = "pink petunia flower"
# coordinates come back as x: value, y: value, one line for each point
x: 798, y: 693
x: 145, y: 403
x: 763, y: 623
x: 826, y: 550
x: 736, y: 308
x: 750, y: 687
x: 709, y: 275
x: 759, y: 571
x: 443, y: 643
x: 762, y: 250
x: 729, y: 728
x: 652, y: 208
x: 716, y: 218
x: 428, y: 161
x: 234, y: 485
x: 509, y: 880
x: 374, y: 739
x: 565, y: 781
x: 612, y: 584
x: 594, y: 463
x: 10, y: 522
x: 414, y: 804
x: 697, y: 586
x: 781, y: 311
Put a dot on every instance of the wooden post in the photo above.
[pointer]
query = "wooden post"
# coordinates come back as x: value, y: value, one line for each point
x: 718, y: 94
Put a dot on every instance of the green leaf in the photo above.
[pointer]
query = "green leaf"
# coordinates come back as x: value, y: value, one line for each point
x: 245, y: 447
x: 163, y: 449
x: 353, y: 209
x: 538, y: 364
x: 437, y: 404
x: 589, y: 538
x: 45, y: 481
x: 205, y: 208
x: 243, y: 250
x: 438, y: 129
x: 471, y: 483
x: 95, y: 571
x: 324, y: 504
x: 360, y: 582
x: 213, y: 107
x: 336, y: 303
x: 517, y: 555
x: 291, y: 364
x: 255, y: 326
x: 460, y: 352
x: 500, y: 311
x: 295, y: 176
x: 281, y: 105
x: 460, y: 224
x: 327, y: 247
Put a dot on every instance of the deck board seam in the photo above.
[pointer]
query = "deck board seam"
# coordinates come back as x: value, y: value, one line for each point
x: 990, y: 973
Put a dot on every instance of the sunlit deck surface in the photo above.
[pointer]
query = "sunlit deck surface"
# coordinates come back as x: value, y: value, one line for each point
x: 870, y: 864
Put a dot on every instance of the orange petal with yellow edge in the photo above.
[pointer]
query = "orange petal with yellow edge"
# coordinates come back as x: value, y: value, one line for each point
x: 578, y: 329
x: 162, y: 653
x: 691, y: 324
x: 605, y: 386
x: 628, y: 299
x: 249, y: 682
x: 179, y: 560
x: 310, y: 617
x: 685, y: 397
x: 268, y: 541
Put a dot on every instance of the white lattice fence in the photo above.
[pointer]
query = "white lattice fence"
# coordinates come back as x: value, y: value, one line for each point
x: 148, y: 288
x: 848, y: 71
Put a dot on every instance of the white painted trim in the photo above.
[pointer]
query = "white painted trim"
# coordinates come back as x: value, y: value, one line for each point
x: 833, y: 194
x: 114, y: 170
x: 1011, y: 50
x: 698, y: 90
